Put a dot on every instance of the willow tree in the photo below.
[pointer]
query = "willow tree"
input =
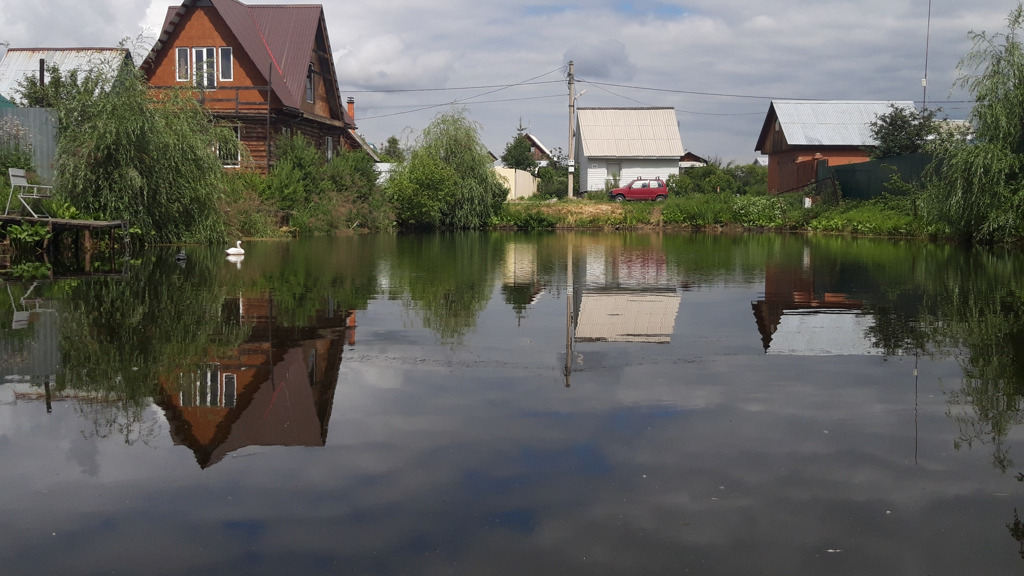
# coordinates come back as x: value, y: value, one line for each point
x: 142, y: 156
x: 975, y: 187
x: 448, y: 181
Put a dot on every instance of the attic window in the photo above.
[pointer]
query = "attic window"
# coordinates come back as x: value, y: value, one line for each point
x: 206, y: 67
x: 227, y: 69
x: 309, y: 84
x: 182, y: 74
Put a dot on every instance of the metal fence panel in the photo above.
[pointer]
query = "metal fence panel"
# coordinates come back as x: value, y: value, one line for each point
x: 41, y: 125
x: 867, y: 180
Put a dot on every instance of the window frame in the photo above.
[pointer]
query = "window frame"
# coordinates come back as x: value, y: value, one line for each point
x: 204, y: 66
x: 235, y: 162
x: 310, y: 86
x: 182, y: 73
x: 225, y: 70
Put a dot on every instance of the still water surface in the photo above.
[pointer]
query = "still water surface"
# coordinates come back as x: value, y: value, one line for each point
x: 518, y: 404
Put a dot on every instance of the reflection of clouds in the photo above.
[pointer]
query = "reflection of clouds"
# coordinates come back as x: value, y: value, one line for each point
x: 692, y: 455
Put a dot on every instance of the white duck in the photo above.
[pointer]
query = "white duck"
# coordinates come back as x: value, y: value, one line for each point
x: 237, y: 250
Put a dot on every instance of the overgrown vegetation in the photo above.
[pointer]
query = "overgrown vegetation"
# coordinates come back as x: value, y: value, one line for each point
x: 975, y: 188
x: 718, y: 179
x: 448, y: 182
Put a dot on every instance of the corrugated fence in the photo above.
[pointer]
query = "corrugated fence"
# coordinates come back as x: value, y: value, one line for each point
x: 40, y: 125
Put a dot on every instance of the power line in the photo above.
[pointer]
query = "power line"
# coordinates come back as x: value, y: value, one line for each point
x: 486, y: 86
x: 432, y: 106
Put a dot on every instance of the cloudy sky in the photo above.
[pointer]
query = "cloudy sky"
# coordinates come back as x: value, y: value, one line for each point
x: 717, y: 62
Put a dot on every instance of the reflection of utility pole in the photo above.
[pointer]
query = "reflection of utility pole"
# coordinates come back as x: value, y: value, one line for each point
x: 572, y: 140
x: 568, y: 314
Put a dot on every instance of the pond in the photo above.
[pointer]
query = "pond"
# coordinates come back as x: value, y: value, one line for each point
x: 486, y: 403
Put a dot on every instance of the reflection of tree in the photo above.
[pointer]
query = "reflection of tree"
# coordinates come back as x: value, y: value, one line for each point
x: 447, y: 278
x: 1016, y: 529
x: 118, y: 335
x: 980, y: 314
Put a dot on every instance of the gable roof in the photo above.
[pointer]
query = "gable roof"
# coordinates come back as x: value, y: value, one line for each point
x: 533, y: 140
x: 278, y: 38
x: 21, y: 62
x: 825, y: 122
x: 629, y: 133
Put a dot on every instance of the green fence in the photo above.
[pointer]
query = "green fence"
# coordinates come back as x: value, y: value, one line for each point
x: 866, y: 180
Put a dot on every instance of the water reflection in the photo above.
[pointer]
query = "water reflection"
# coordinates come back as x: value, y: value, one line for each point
x: 873, y: 401
x: 802, y: 313
x: 275, y: 389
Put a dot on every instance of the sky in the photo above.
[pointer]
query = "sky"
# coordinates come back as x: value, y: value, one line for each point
x: 718, y: 63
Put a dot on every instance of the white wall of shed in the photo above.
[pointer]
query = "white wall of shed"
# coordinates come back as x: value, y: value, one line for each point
x: 594, y: 172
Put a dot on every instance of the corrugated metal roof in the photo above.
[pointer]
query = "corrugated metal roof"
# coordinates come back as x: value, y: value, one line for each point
x: 629, y: 132
x: 635, y: 316
x: 21, y: 62
x: 831, y: 123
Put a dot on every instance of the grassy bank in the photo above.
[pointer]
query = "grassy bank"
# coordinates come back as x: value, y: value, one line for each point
x: 884, y: 216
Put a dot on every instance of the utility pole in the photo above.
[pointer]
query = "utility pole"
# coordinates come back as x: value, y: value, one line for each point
x: 572, y: 127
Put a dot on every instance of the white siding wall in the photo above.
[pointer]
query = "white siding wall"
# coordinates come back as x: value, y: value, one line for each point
x: 594, y: 171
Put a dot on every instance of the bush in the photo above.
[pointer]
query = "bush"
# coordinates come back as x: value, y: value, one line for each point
x: 698, y: 210
x: 758, y: 211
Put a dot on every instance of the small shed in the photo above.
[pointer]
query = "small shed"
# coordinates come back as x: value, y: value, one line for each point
x: 616, y: 145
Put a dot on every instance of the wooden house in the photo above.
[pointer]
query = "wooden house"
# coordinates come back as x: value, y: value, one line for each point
x: 275, y: 389
x: 265, y: 70
x: 799, y: 134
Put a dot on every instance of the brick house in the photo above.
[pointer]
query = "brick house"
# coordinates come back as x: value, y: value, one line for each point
x: 265, y: 70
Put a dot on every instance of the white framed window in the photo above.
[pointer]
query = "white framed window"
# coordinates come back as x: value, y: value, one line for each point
x: 227, y: 68
x: 230, y: 153
x: 329, y: 147
x: 206, y: 67
x: 181, y: 66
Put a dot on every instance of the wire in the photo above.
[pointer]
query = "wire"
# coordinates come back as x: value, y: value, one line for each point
x: 400, y: 90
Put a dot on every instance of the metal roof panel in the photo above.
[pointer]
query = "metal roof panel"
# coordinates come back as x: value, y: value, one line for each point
x: 629, y: 132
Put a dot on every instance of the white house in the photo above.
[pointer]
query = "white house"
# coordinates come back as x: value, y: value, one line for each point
x: 616, y: 145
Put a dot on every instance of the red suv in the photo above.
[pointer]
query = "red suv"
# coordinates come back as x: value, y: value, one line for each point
x: 641, y: 189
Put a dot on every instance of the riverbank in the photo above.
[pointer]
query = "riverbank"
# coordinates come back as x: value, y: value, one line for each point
x: 883, y: 216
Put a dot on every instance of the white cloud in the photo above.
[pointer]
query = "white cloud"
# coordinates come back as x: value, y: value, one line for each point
x: 837, y: 49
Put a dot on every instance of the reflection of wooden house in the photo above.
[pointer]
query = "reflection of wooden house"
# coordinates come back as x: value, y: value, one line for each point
x: 263, y: 69
x: 796, y: 317
x: 276, y: 389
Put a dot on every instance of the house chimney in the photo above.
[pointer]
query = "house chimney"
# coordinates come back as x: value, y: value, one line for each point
x: 352, y: 108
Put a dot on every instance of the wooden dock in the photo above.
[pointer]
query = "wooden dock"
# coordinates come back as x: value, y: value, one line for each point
x: 83, y: 229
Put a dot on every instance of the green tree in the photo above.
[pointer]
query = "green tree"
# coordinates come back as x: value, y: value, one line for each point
x: 392, y: 151
x: 129, y: 153
x: 448, y: 181
x: 975, y: 187
x: 518, y: 155
x: 902, y: 131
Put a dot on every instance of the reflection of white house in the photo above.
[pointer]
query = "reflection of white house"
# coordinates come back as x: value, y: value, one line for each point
x: 633, y: 316
x: 520, y: 263
x: 823, y: 332
x: 620, y: 144
x: 628, y: 296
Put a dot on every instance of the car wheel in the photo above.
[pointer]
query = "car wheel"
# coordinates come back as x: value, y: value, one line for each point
x: 619, y: 197
x: 659, y: 198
